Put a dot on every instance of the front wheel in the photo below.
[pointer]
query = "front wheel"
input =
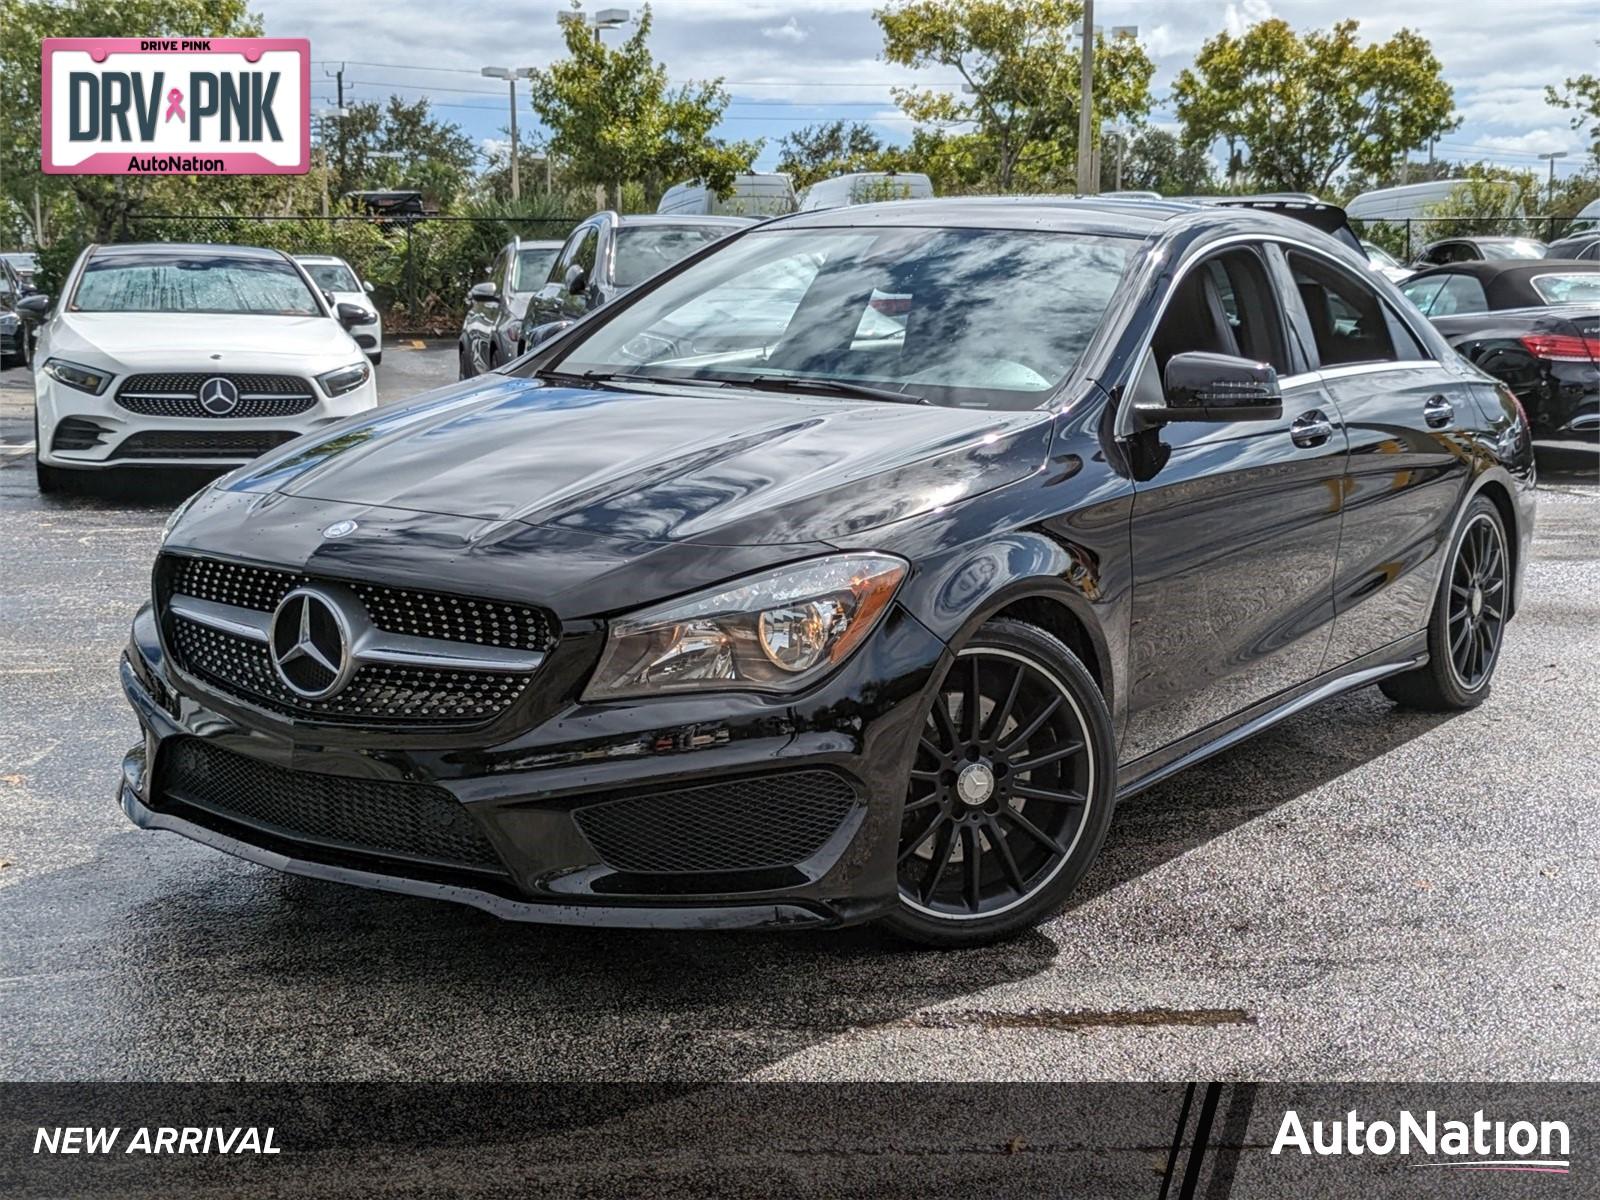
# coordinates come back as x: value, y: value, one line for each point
x: 1468, y: 621
x: 1010, y: 794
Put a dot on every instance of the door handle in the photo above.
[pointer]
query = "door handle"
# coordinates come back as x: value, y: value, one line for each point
x: 1311, y: 429
x: 1438, y: 412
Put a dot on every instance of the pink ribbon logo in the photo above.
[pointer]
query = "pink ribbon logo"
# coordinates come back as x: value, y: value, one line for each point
x: 175, y: 105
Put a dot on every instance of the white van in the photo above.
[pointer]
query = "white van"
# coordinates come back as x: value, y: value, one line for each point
x: 865, y: 187
x: 1409, y: 202
x: 754, y: 195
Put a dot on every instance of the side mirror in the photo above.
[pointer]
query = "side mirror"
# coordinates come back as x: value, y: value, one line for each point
x: 34, y: 307
x: 537, y: 335
x: 366, y: 286
x: 353, y: 314
x: 1200, y: 386
x: 483, y: 293
x: 576, y: 279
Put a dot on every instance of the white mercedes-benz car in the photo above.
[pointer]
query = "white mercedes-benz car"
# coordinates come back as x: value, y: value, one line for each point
x: 337, y: 279
x: 165, y: 355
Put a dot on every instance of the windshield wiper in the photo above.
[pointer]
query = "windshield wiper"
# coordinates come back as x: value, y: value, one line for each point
x: 825, y: 387
x: 602, y: 377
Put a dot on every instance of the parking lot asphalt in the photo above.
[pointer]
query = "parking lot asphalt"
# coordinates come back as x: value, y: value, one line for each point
x: 1360, y: 893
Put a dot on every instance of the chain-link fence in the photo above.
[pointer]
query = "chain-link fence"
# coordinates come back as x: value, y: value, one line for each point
x: 420, y: 267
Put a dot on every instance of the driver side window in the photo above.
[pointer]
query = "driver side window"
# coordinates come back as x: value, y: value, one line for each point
x: 1224, y: 305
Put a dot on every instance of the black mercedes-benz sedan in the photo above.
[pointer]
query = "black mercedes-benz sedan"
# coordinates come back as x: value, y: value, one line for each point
x: 853, y: 568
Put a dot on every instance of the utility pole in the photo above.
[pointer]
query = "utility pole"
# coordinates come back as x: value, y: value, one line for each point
x: 1551, y: 157
x: 509, y: 74
x: 1086, y: 180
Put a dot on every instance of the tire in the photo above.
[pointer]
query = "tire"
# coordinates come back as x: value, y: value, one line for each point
x: 377, y: 358
x: 464, y: 366
x: 1012, y: 841
x: 1468, y: 621
x: 494, y: 356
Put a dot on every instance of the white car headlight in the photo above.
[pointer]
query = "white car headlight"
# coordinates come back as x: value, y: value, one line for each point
x: 85, y: 379
x: 345, y: 379
x: 778, y: 631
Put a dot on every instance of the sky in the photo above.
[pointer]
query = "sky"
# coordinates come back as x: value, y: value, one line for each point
x: 787, y: 65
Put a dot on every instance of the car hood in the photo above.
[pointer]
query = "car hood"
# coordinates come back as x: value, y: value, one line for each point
x: 717, y: 467
x: 205, y: 341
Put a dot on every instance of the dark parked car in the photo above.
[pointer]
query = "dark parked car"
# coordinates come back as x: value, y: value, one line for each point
x: 491, y: 334
x: 835, y: 626
x: 608, y: 255
x: 15, y: 333
x: 1535, y: 326
x: 1581, y: 246
x: 1478, y: 249
x: 24, y: 263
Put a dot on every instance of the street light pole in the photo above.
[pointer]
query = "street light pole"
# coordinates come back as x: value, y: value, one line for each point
x: 1550, y: 194
x: 1086, y: 180
x: 510, y: 77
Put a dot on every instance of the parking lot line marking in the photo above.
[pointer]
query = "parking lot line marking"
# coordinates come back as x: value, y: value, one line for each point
x: 16, y: 451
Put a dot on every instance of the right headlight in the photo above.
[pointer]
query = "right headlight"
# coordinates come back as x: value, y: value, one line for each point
x: 345, y: 379
x: 778, y: 631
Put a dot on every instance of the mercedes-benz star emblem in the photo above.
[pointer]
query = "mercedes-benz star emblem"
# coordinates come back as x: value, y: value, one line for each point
x: 339, y: 529
x: 219, y: 396
x: 310, y: 644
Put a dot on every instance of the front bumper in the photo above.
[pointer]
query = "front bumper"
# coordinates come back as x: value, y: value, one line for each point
x: 533, y: 796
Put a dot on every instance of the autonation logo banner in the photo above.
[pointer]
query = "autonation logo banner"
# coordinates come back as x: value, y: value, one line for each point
x: 186, y: 106
x: 1478, y: 1144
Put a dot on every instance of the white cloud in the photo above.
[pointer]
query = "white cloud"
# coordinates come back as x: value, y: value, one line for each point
x: 1239, y: 17
x: 789, y: 31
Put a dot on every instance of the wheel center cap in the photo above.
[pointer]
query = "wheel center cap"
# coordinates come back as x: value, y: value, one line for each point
x: 1477, y: 601
x: 975, y: 784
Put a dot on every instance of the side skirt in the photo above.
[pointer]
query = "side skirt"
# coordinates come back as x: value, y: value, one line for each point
x: 1152, y: 768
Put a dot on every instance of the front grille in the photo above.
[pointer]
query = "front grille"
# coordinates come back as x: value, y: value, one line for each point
x: 738, y: 825
x: 178, y: 395
x: 369, y: 816
x: 200, y: 443
x: 381, y: 694
x: 393, y: 609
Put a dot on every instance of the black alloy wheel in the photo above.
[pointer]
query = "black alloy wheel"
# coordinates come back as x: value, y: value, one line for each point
x: 1468, y: 622
x: 1009, y: 793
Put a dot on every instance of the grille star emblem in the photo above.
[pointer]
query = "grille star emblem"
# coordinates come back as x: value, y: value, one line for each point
x: 310, y: 644
x: 219, y: 396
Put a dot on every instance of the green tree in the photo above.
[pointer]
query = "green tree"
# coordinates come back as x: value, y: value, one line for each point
x: 1155, y: 160
x: 1020, y: 71
x: 399, y: 144
x: 1306, y: 108
x: 611, y: 117
x: 104, y: 201
x: 1489, y: 200
x: 820, y: 151
x: 1580, y: 96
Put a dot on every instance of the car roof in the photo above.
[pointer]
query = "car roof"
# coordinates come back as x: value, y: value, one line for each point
x: 139, y: 249
x: 1483, y: 239
x: 1495, y: 268
x: 319, y: 258
x: 684, y: 219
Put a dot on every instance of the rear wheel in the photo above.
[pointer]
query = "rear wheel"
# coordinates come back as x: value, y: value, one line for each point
x: 1468, y: 622
x: 1010, y: 794
x: 464, y: 369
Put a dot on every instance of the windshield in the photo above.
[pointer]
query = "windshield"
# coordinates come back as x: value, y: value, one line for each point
x: 332, y: 277
x: 194, y: 282
x: 1517, y: 249
x: 1568, y: 289
x: 973, y: 318
x: 533, y: 268
x: 646, y: 250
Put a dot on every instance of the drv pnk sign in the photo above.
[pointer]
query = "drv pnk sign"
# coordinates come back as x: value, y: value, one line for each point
x: 177, y: 106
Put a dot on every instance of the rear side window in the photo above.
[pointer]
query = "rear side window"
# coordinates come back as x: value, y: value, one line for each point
x: 1422, y: 292
x: 1568, y: 289
x: 1347, y: 318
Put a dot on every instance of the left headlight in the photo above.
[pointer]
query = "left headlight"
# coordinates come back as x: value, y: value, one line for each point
x: 778, y: 631
x: 85, y: 379
x: 345, y: 379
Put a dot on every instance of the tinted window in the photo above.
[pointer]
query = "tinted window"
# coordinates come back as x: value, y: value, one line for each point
x: 969, y: 317
x: 1347, y: 318
x: 193, y: 282
x: 588, y: 247
x: 646, y: 250
x: 533, y: 268
x: 332, y: 277
x: 1459, y: 294
x: 1421, y: 292
x: 1224, y: 306
x: 1568, y: 289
